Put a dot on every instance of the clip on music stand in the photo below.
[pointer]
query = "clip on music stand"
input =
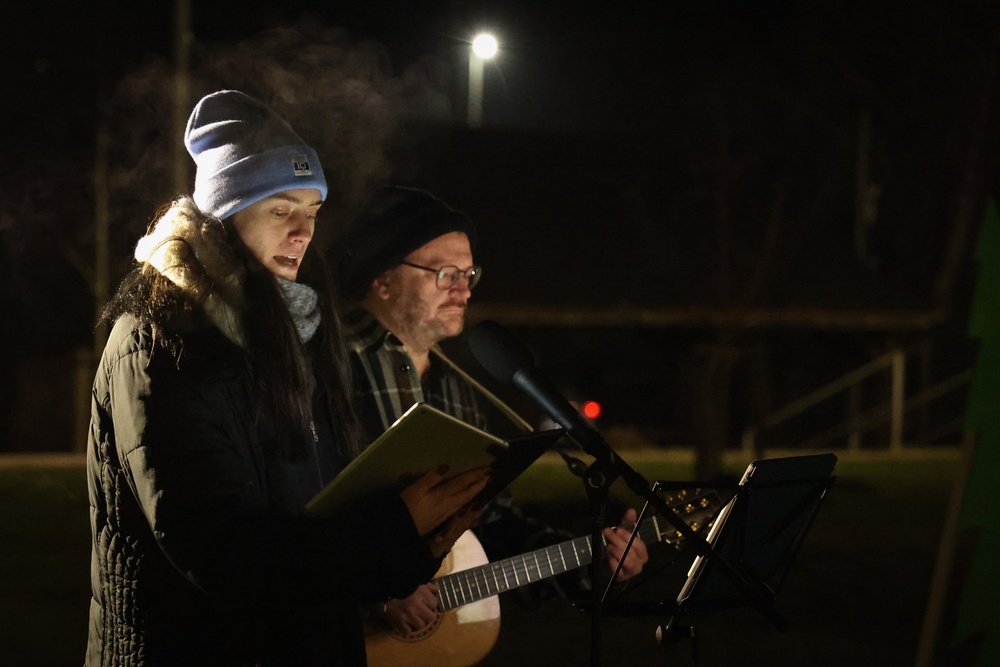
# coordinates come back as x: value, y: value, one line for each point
x: 754, y: 540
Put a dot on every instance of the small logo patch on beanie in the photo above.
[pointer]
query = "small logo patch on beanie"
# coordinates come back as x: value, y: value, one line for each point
x: 300, y: 165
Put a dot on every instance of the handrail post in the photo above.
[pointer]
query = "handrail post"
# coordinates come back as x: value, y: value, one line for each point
x: 853, y: 410
x: 897, y: 401
x: 749, y: 441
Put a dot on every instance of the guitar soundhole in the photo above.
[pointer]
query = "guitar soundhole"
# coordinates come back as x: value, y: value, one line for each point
x: 421, y: 634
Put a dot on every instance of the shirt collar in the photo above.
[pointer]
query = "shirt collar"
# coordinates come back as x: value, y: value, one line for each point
x: 366, y: 334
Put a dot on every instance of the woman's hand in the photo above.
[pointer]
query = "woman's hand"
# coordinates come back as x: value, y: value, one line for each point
x: 432, y: 500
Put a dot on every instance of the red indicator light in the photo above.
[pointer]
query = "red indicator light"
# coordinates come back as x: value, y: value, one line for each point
x: 591, y: 409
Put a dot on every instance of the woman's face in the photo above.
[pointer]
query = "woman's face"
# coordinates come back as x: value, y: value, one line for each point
x: 278, y: 229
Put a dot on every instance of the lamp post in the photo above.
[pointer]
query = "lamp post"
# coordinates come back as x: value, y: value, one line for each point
x: 484, y: 47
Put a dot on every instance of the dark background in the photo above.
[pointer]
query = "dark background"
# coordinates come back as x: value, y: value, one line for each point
x: 657, y: 185
x: 693, y: 212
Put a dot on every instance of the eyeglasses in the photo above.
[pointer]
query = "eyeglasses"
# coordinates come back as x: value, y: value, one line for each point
x: 447, y: 276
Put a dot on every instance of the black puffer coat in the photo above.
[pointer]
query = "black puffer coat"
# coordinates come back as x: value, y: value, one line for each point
x: 202, y: 554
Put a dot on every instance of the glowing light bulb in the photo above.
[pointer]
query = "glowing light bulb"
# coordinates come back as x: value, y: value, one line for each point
x: 485, y: 46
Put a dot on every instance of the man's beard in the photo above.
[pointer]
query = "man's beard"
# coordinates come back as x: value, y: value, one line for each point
x: 429, y: 327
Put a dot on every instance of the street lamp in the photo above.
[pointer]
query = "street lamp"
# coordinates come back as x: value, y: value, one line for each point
x: 484, y: 47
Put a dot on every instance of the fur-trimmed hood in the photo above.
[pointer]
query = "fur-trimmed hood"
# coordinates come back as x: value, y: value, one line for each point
x: 193, y: 252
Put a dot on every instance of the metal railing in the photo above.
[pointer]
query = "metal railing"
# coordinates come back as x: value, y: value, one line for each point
x: 891, y: 412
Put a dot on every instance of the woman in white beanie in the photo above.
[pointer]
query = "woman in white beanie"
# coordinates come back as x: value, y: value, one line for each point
x: 222, y: 404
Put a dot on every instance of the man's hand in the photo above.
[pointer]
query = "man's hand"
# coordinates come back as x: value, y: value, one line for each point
x: 432, y: 501
x: 413, y: 613
x: 616, y: 539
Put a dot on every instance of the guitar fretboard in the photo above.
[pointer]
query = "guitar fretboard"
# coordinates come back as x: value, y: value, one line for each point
x: 467, y: 586
x: 459, y: 588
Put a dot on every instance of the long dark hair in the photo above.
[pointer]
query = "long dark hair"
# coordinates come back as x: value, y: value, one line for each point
x: 279, y: 359
x: 332, y: 367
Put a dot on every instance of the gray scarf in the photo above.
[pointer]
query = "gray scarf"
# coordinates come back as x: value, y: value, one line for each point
x: 303, y: 304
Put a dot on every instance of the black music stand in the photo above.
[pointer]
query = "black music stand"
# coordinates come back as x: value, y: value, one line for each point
x: 754, y: 541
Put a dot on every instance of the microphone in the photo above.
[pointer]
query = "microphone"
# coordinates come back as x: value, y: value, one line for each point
x: 671, y: 633
x: 507, y: 360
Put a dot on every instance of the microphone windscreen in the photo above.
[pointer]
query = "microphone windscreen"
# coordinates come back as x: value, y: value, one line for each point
x: 498, y: 351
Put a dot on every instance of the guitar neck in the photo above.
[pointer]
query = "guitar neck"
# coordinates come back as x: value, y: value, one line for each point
x: 467, y: 586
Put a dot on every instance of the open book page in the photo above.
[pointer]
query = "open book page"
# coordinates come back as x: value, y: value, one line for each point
x: 425, y: 438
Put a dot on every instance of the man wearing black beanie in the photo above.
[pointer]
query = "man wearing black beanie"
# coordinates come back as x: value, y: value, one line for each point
x: 407, y: 261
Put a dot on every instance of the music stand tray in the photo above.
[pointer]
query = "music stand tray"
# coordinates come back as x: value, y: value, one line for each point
x: 757, y: 536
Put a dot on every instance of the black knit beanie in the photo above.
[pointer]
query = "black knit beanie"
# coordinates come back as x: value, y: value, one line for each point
x: 396, y: 221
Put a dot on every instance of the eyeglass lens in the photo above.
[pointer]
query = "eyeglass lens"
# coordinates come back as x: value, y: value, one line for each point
x: 447, y: 276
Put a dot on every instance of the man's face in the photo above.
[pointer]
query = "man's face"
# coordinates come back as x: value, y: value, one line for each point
x: 278, y: 229
x: 425, y: 313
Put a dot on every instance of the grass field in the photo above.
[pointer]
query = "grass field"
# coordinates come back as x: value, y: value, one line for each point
x: 856, y: 595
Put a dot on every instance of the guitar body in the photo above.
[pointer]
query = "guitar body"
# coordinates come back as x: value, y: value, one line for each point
x: 458, y: 638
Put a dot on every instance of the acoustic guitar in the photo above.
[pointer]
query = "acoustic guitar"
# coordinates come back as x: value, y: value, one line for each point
x: 468, y: 619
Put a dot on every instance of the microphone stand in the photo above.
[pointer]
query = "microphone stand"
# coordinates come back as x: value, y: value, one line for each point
x: 509, y: 361
x: 597, y: 479
x: 606, y: 468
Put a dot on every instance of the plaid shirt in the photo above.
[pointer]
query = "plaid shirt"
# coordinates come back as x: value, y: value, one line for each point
x: 386, y: 383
